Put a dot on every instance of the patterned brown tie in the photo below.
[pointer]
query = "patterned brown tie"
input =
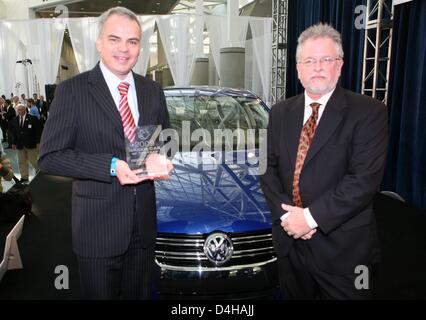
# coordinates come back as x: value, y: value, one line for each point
x: 305, y: 140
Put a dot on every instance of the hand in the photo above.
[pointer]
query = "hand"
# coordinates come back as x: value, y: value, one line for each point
x: 309, y: 235
x: 295, y: 224
x: 158, y: 167
x: 126, y: 176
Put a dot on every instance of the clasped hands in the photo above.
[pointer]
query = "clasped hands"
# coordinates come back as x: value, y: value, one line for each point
x: 295, y: 224
x: 157, y: 165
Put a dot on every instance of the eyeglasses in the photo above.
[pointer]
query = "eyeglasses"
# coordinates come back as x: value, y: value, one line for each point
x: 309, y: 62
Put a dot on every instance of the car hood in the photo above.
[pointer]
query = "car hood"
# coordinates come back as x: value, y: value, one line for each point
x: 206, y: 194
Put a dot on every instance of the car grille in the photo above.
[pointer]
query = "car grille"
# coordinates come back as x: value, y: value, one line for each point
x: 186, y: 252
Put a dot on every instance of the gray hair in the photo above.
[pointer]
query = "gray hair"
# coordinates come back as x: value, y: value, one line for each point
x: 119, y: 11
x: 320, y: 30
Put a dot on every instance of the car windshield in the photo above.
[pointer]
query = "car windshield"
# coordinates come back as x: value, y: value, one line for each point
x: 212, y: 112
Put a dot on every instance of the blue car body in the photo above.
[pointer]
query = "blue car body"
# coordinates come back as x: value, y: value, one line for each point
x: 215, y: 196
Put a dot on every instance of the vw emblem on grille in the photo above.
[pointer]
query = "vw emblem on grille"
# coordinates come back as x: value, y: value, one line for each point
x: 218, y: 248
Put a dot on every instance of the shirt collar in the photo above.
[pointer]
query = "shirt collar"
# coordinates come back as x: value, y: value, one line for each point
x: 322, y: 101
x: 112, y: 80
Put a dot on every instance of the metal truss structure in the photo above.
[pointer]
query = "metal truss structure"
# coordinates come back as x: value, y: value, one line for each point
x: 377, y: 49
x: 279, y: 49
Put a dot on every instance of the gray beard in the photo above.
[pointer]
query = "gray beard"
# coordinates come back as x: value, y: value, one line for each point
x: 320, y: 90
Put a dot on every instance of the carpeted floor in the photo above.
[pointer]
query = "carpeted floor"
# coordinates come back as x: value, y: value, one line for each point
x: 46, y: 243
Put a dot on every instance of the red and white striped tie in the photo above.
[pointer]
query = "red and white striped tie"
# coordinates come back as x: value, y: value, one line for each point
x: 126, y: 115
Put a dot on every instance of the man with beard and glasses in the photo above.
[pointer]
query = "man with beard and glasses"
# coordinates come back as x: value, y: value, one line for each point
x: 325, y: 160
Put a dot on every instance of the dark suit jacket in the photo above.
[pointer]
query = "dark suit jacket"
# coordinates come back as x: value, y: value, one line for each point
x: 341, y: 174
x: 42, y: 108
x: 10, y: 114
x: 82, y: 134
x: 27, y: 136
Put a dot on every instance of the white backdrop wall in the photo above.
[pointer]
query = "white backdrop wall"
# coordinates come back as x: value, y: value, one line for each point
x: 9, y: 44
x: 42, y: 41
x: 177, y: 36
x: 45, y: 54
x: 148, y: 27
x: 252, y: 80
x: 43, y: 38
x: 261, y: 29
x: 217, y: 28
x: 83, y: 33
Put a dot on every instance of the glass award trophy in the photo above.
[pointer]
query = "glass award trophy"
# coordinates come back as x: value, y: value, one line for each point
x: 146, y: 152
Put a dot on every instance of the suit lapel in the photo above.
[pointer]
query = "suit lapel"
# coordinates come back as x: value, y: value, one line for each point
x: 293, y: 126
x: 143, y: 97
x: 103, y: 98
x: 329, y: 122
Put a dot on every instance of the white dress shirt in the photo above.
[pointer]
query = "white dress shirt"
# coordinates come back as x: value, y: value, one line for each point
x: 113, y: 81
x: 308, y: 111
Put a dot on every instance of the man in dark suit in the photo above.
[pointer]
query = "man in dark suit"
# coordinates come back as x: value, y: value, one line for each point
x: 25, y: 139
x: 325, y: 160
x: 3, y: 121
x: 42, y: 108
x: 9, y: 116
x: 113, y: 208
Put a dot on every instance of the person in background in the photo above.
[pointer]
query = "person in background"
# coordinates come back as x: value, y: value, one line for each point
x: 32, y: 108
x: 43, y: 109
x: 15, y: 102
x: 26, y: 139
x: 9, y: 116
x: 3, y: 120
x: 6, y: 171
x: 23, y: 100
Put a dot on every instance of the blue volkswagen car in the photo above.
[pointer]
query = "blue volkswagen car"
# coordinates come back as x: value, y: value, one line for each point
x: 214, y: 226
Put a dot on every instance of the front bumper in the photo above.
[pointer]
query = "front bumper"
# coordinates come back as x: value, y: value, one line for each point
x: 250, y: 282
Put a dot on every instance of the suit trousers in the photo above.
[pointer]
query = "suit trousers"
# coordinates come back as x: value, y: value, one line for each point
x: 9, y: 134
x: 301, y: 279
x: 130, y: 276
x: 26, y: 156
